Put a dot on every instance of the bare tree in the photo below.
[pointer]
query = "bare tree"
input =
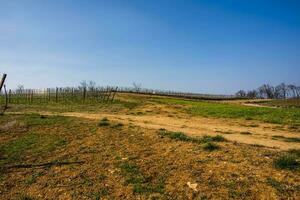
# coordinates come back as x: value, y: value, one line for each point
x: 20, y: 89
x: 292, y: 89
x: 82, y: 85
x: 137, y: 86
x: 280, y: 91
x: 91, y: 85
x: 298, y: 92
x: 241, y: 93
x: 252, y: 94
x: 266, y: 91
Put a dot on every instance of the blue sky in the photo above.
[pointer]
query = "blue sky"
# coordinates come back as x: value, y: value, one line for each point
x: 203, y: 46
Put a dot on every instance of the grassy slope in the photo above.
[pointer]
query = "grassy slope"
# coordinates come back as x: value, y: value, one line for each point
x: 286, y: 103
x: 290, y: 116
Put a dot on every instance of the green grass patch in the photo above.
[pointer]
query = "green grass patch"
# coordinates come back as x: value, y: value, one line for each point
x: 101, y: 193
x: 104, y: 122
x: 141, y: 184
x: 286, y: 139
x: 25, y: 197
x: 34, y: 177
x: 276, y: 184
x: 287, y: 161
x: 41, y: 120
x: 179, y: 136
x: 30, y: 144
x: 285, y: 103
x: 295, y: 152
x: 13, y: 150
x: 118, y: 125
x: 245, y: 133
x: 290, y: 116
x: 210, y: 146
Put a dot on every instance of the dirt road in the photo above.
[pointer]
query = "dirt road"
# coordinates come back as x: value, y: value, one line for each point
x: 234, y: 130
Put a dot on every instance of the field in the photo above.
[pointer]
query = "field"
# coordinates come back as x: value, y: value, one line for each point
x: 150, y: 147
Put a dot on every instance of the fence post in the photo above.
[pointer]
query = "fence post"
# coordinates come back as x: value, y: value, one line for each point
x: 9, y: 96
x: 56, y: 95
x: 2, y: 81
x: 31, y: 96
x: 84, y: 94
x: 114, y: 93
x: 49, y: 90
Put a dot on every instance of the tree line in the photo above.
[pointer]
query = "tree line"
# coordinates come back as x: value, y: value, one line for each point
x: 281, y: 91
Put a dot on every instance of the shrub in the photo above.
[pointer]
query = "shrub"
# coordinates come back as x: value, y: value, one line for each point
x: 176, y: 135
x: 118, y: 125
x: 246, y: 133
x: 218, y: 138
x: 287, y: 161
x: 210, y: 146
x: 295, y: 152
x: 182, y: 137
x: 104, y: 122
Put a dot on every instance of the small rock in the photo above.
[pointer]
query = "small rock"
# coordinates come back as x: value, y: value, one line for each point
x: 193, y: 186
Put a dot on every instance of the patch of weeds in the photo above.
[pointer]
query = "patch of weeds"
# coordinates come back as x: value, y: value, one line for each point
x: 2, y: 177
x: 57, y: 144
x: 86, y: 181
x: 287, y: 161
x: 15, y: 148
x: 34, y: 177
x: 210, y: 146
x: 217, y: 138
x: 182, y: 137
x: 286, y: 139
x: 295, y: 152
x: 176, y: 135
x: 41, y: 120
x: 141, y: 183
x: 275, y: 184
x: 104, y: 119
x: 179, y: 136
x: 104, y: 122
x: 245, y: 133
x: 253, y: 125
x: 118, y: 125
x: 101, y: 193
x: 257, y: 145
x: 203, y: 198
x: 25, y: 197
x: 102, y: 177
x: 293, y: 127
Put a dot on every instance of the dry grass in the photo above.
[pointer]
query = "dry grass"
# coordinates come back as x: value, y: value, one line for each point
x: 131, y: 163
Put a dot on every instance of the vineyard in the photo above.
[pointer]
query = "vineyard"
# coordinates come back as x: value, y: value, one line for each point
x: 79, y: 95
x: 94, y: 95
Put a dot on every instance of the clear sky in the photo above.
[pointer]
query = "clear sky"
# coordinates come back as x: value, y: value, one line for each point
x: 203, y: 46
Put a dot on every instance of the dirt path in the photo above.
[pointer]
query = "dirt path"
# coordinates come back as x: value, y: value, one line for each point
x: 234, y: 130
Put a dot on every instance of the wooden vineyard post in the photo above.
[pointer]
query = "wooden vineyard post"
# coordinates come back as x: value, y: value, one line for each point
x: 9, y: 96
x: 31, y: 96
x: 2, y: 81
x: 49, y: 94
x: 56, y: 95
x: 109, y: 93
x: 114, y: 93
x: 84, y: 94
